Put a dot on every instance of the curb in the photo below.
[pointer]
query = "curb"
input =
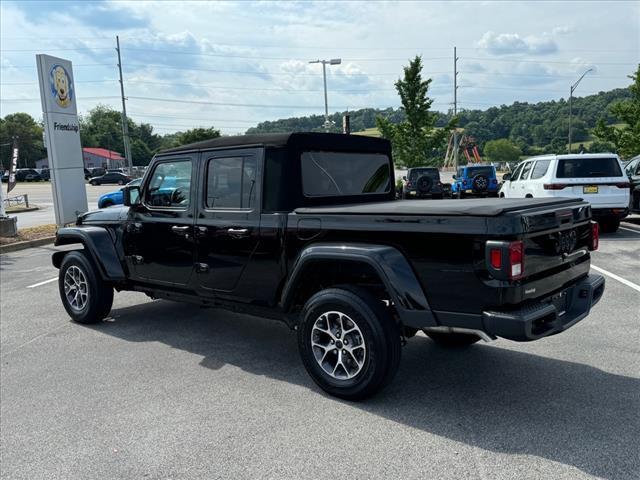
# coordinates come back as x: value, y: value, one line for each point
x: 22, y: 210
x: 14, y: 247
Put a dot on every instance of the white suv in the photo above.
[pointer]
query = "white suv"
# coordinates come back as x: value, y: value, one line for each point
x: 595, y: 177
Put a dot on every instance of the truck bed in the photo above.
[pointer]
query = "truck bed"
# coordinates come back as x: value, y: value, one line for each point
x: 473, y: 207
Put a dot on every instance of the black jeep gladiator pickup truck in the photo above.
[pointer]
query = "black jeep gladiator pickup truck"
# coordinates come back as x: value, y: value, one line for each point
x: 304, y: 228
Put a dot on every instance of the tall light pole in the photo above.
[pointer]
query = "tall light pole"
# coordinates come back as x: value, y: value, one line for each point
x: 333, y: 61
x: 571, y: 90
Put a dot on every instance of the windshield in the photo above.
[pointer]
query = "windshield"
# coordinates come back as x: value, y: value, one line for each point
x: 473, y: 171
x: 588, y: 167
x: 343, y: 174
x: 418, y: 172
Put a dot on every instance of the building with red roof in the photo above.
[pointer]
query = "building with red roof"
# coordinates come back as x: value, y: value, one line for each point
x: 94, y: 157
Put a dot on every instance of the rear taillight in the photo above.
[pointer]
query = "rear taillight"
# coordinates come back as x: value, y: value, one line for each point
x: 496, y: 258
x: 516, y: 260
x: 595, y: 236
x: 554, y: 186
x: 505, y: 260
x: 623, y: 185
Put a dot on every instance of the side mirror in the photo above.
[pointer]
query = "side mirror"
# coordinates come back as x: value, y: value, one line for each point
x: 506, y: 177
x: 453, y: 176
x: 404, y: 177
x: 131, y: 195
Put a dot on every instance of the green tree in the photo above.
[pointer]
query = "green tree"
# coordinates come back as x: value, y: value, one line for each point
x: 627, y: 138
x: 415, y: 140
x: 29, y: 135
x: 502, y: 150
x: 195, y: 135
x: 601, y: 146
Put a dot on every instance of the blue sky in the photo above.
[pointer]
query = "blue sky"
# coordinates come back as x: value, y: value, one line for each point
x: 246, y: 62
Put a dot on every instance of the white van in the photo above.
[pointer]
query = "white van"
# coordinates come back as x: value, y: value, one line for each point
x: 595, y: 177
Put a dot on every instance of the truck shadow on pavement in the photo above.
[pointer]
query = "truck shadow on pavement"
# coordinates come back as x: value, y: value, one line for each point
x: 484, y: 396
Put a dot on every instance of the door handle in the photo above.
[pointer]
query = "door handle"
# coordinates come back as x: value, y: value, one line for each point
x: 179, y: 229
x: 237, y: 231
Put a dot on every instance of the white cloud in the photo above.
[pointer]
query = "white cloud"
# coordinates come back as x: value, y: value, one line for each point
x: 512, y: 43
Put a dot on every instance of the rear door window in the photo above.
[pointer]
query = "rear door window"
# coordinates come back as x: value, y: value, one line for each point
x: 231, y: 182
x: 326, y: 174
x: 588, y: 167
x: 540, y: 169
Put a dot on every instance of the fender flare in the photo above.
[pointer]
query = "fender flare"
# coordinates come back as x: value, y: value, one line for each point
x: 98, y: 243
x: 390, y: 264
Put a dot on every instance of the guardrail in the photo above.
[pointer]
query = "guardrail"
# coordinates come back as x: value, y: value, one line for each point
x: 17, y: 200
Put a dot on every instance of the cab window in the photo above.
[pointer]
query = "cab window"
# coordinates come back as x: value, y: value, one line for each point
x: 170, y: 185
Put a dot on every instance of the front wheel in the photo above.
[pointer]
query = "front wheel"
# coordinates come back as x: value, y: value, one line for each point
x: 348, y: 342
x: 93, y: 182
x: 86, y: 297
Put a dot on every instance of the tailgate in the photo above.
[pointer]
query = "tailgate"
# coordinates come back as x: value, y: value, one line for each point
x: 599, y: 192
x: 556, y: 250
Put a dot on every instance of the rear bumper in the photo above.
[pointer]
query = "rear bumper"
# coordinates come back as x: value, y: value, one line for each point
x: 550, y: 316
x: 609, y: 212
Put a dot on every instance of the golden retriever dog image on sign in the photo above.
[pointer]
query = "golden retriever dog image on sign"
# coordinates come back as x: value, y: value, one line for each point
x: 61, y: 86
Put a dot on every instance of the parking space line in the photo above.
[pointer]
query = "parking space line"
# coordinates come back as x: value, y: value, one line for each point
x: 616, y: 277
x: 43, y: 283
x: 630, y: 229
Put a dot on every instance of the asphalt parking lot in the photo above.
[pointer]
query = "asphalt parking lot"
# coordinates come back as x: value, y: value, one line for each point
x: 167, y: 391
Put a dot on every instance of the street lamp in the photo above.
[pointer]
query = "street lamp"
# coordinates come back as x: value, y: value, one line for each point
x: 333, y: 61
x: 573, y: 87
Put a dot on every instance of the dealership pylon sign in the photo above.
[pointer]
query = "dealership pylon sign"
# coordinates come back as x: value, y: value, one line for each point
x: 62, y: 137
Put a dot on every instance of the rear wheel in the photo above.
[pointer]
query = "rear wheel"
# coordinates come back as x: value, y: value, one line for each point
x: 453, y: 340
x: 459, y: 194
x: 609, y: 225
x: 86, y: 297
x: 349, y: 343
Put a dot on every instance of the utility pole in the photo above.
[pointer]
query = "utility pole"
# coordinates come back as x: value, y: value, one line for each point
x: 333, y: 61
x: 571, y: 90
x: 455, y: 108
x: 125, y: 124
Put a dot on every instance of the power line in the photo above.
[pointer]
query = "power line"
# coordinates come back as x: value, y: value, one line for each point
x: 138, y: 114
x: 560, y: 62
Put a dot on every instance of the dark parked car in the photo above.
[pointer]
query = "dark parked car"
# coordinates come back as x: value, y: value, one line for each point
x: 632, y: 169
x: 304, y: 228
x: 110, y: 178
x: 422, y: 182
x: 45, y: 174
x: 27, y: 175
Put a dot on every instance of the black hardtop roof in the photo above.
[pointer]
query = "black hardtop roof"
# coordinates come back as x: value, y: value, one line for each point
x: 325, y: 141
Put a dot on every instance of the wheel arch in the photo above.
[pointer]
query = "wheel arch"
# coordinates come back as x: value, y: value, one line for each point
x: 378, y: 266
x: 94, y: 240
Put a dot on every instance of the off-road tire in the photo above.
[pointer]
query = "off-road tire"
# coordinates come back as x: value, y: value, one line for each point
x: 100, y: 293
x: 453, y: 340
x: 609, y: 225
x: 380, y: 335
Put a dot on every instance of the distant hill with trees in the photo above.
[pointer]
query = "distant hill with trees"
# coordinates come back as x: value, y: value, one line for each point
x: 532, y: 127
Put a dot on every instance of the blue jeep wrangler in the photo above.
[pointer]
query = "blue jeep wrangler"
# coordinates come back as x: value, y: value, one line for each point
x: 475, y: 180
